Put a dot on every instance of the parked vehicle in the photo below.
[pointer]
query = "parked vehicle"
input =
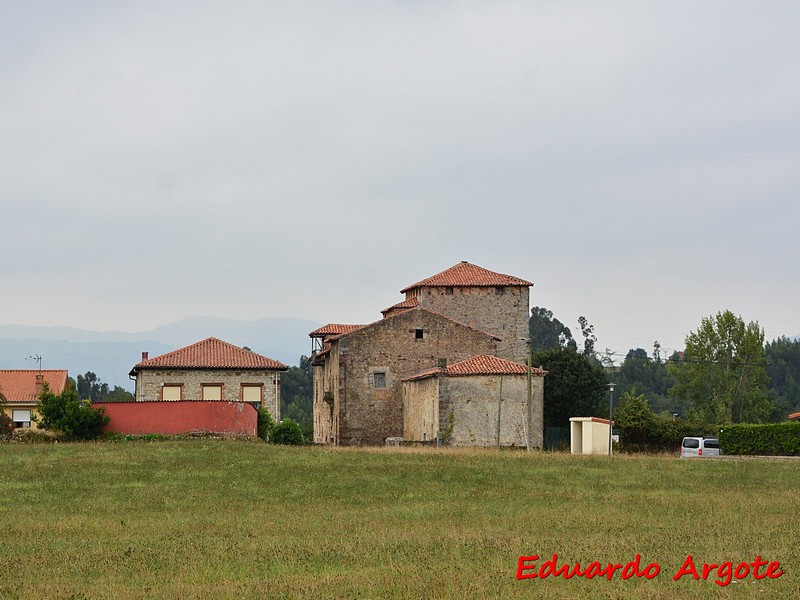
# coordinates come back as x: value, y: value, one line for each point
x: 699, y: 447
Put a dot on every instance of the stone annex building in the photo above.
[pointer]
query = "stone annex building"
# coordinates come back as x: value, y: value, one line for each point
x: 447, y: 361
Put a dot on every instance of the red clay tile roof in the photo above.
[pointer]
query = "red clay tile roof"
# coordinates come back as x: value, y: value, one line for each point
x: 486, y: 364
x: 211, y: 353
x: 20, y: 385
x: 466, y: 274
x: 407, y: 303
x: 482, y: 364
x: 795, y: 415
x: 333, y: 329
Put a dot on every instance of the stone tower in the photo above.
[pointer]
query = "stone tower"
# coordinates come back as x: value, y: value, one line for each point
x: 493, y: 302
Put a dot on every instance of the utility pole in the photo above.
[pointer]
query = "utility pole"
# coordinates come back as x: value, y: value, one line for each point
x: 499, y: 405
x: 529, y: 403
x: 610, y: 413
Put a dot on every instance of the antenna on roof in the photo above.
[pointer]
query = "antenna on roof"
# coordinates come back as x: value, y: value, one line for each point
x: 37, y: 358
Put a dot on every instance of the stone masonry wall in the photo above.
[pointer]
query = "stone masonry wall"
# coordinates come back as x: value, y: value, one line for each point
x: 473, y: 403
x: 503, y: 312
x: 326, y: 402
x: 421, y: 409
x: 368, y: 415
x: 149, y: 383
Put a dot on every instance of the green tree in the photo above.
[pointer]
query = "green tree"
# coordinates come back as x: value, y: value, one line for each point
x: 634, y: 418
x: 118, y: 394
x: 91, y: 388
x: 547, y: 332
x: 575, y: 386
x: 723, y: 376
x: 589, y: 338
x: 783, y: 389
x: 69, y: 414
x: 649, y: 377
x: 297, y: 395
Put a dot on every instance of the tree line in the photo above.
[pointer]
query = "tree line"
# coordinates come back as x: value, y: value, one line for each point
x: 727, y: 373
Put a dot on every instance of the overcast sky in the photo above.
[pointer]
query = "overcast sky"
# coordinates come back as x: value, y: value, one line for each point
x: 638, y: 161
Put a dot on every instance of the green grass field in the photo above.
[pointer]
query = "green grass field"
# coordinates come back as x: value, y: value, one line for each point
x: 235, y: 519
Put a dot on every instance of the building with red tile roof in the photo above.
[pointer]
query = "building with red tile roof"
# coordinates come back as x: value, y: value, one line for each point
x: 480, y: 401
x: 488, y: 300
x: 466, y: 316
x: 21, y: 389
x: 357, y: 374
x: 210, y: 370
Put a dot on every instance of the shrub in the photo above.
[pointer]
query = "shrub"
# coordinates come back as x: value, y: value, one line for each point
x: 266, y: 424
x: 69, y: 415
x: 770, y: 439
x: 6, y: 424
x: 287, y: 432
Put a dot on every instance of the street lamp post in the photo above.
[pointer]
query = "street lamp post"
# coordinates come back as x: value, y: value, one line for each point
x: 610, y: 413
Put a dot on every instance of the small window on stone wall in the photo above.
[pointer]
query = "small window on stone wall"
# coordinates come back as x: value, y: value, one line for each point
x: 379, y: 379
x: 499, y: 290
x: 448, y: 291
x: 419, y: 334
x: 251, y: 393
x: 212, y: 392
x: 171, y: 392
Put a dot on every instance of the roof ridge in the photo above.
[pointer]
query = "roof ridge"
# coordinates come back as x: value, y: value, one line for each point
x: 211, y: 352
x: 466, y: 274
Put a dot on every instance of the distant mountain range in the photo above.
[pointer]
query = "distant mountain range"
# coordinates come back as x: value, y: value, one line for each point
x: 112, y: 354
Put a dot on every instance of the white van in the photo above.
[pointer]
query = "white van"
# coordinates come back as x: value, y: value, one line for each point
x: 699, y: 447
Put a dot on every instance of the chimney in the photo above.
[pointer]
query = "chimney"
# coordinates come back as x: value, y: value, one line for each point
x: 39, y: 384
x: 144, y: 356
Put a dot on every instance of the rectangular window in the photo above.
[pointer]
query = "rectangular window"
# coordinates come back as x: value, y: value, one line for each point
x: 419, y: 334
x: 251, y: 393
x: 212, y: 392
x: 379, y: 379
x: 499, y: 290
x: 448, y: 291
x: 171, y: 392
x: 21, y: 418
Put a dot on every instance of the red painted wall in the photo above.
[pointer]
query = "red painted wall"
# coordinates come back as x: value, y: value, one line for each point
x: 175, y: 418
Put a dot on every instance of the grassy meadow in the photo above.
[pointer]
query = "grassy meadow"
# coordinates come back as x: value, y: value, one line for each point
x: 237, y: 519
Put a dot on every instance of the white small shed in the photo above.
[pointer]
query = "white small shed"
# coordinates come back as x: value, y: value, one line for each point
x: 588, y: 435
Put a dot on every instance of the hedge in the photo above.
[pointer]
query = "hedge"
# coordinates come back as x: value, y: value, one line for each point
x: 770, y: 439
